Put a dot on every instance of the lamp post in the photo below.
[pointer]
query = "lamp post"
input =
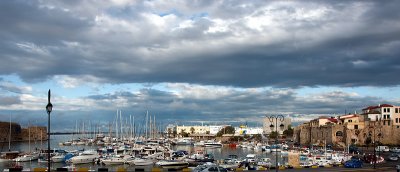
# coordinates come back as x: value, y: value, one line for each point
x: 49, y: 108
x: 271, y: 119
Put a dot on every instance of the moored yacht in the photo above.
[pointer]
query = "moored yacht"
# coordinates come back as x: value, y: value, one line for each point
x: 85, y: 157
x: 172, y: 164
x: 27, y: 157
x: 213, y: 144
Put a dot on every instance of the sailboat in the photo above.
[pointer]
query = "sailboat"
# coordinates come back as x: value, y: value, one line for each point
x: 10, y: 155
x: 29, y: 156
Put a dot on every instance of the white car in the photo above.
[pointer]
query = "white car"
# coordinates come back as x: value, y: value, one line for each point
x: 382, y: 149
x: 395, y: 149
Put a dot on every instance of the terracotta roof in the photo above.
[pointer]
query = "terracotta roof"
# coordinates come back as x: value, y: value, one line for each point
x: 374, y: 107
x: 348, y: 116
x: 333, y: 120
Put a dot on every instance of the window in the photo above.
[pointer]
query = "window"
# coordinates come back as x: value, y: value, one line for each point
x: 388, y: 109
x: 350, y: 120
x: 396, y: 110
x: 384, y: 122
x: 398, y: 126
x: 397, y: 120
x: 387, y: 116
x: 355, y: 126
x: 388, y: 122
x: 384, y: 109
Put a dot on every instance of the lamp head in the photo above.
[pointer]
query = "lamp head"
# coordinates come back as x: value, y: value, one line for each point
x: 49, y: 106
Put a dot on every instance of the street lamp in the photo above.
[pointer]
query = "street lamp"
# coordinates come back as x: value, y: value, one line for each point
x: 49, y: 108
x: 271, y: 119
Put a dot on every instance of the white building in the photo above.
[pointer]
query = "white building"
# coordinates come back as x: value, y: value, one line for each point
x: 271, y: 121
x: 248, y: 130
x: 389, y: 114
x: 214, y: 129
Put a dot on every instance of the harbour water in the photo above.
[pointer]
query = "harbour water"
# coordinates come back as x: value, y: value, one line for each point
x: 218, y: 153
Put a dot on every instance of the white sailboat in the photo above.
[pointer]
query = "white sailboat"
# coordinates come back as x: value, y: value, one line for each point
x: 30, y: 156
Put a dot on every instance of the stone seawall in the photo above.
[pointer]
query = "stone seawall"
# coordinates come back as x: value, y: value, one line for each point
x: 21, y: 134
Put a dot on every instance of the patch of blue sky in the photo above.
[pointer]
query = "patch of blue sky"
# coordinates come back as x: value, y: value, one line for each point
x: 198, y: 15
x: 166, y: 13
x: 13, y: 78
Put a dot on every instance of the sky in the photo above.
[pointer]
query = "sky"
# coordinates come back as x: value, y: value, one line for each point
x: 199, y: 61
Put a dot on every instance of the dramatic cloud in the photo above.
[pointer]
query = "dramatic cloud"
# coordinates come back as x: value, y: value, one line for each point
x: 241, y: 44
x: 230, y: 61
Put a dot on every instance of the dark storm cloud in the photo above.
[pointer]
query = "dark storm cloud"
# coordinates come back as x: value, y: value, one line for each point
x: 234, y: 105
x: 290, y: 44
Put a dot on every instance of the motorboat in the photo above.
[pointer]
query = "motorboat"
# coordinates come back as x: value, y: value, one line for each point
x: 113, y: 161
x: 185, y: 141
x: 85, y: 157
x: 172, y: 164
x: 141, y: 162
x: 208, y: 167
x: 27, y: 157
x: 265, y: 162
x: 61, y: 157
x: 213, y: 144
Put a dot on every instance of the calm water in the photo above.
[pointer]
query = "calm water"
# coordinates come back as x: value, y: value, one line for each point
x: 219, y: 153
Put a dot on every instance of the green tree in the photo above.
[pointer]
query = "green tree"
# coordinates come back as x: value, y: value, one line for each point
x: 289, y: 132
x: 174, y: 133
x: 169, y: 132
x: 184, y: 134
x: 273, y: 134
x: 226, y: 130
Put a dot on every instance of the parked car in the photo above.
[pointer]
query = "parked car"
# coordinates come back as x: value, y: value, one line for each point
x: 370, y: 159
x: 395, y: 149
x: 353, y: 163
x: 393, y: 157
x: 354, y: 149
x: 382, y: 148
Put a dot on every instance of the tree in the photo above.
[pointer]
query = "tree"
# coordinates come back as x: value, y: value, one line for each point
x: 174, y: 133
x: 192, y: 130
x: 184, y: 134
x: 289, y: 132
x: 368, y: 141
x: 273, y: 134
x: 226, y: 130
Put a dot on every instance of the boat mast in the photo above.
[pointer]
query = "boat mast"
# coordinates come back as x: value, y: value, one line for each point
x: 116, y: 126
x: 29, y: 133
x: 120, y: 123
x: 9, y: 137
x: 145, y: 128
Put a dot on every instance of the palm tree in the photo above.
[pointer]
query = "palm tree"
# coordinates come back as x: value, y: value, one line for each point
x: 192, y: 130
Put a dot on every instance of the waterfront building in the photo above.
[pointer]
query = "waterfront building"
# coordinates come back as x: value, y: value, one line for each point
x: 242, y: 130
x: 383, y: 120
x: 214, y: 129
x: 267, y: 123
x: 193, y: 129
x: 389, y: 114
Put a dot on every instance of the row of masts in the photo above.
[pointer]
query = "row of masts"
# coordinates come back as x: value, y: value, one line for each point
x: 123, y: 128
